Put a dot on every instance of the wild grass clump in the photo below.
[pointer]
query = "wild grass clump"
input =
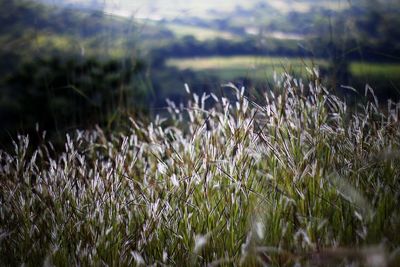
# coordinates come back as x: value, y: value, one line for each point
x: 292, y: 178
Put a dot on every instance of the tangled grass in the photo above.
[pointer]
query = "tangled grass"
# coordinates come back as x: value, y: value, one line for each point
x: 293, y: 178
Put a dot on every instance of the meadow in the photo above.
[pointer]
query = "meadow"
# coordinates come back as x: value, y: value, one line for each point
x: 295, y: 177
x: 253, y: 67
x: 288, y: 174
x: 389, y: 71
x: 263, y: 67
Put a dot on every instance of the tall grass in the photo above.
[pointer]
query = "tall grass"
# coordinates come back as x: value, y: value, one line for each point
x: 292, y: 178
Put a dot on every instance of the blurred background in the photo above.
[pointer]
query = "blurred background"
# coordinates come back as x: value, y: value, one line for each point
x: 81, y: 63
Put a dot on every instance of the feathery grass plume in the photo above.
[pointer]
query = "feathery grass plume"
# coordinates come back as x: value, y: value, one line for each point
x: 293, y: 178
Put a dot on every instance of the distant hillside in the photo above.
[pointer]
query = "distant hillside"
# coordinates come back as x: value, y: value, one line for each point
x: 85, y: 4
x: 31, y: 27
x: 65, y: 68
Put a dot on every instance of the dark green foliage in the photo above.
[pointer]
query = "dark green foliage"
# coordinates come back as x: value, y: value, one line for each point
x: 56, y: 71
x: 66, y: 93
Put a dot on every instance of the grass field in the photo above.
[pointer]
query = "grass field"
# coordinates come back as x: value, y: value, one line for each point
x: 291, y: 179
x: 376, y: 70
x: 262, y: 68
x: 255, y: 67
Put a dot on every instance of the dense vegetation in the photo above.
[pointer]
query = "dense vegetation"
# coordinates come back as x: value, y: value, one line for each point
x: 294, y: 177
x: 59, y: 69
x: 70, y: 92
x: 355, y: 30
x: 288, y: 172
x: 49, y: 53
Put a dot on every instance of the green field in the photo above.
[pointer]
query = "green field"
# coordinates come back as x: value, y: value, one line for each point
x: 259, y: 67
x: 375, y: 70
x: 255, y: 67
